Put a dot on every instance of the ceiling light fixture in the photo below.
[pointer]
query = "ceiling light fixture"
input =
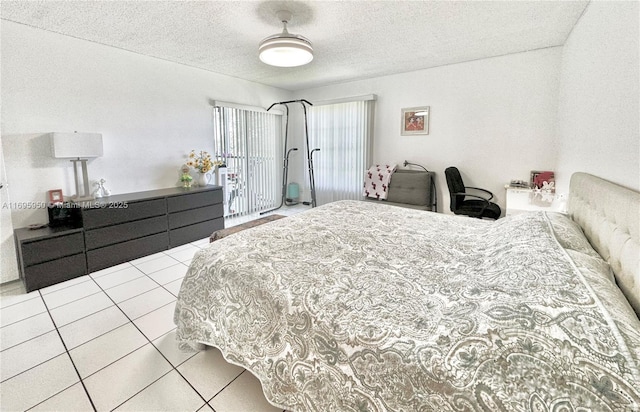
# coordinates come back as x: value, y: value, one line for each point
x: 285, y: 49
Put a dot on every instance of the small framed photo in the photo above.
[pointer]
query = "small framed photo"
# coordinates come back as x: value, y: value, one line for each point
x: 543, y: 180
x: 415, y: 120
x: 55, y: 196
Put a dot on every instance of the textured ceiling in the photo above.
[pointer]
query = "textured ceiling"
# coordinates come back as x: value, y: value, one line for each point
x: 351, y: 39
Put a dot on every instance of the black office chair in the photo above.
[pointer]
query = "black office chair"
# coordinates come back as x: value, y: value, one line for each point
x: 478, y: 206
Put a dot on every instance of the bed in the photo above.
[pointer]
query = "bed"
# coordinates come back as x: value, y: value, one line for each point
x: 355, y: 306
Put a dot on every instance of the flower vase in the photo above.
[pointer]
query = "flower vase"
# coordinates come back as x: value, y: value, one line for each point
x: 203, y: 179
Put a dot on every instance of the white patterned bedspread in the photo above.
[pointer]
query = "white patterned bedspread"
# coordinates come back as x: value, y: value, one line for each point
x: 417, y: 312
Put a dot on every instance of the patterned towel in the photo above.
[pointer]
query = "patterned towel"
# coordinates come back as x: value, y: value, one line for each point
x: 376, y: 181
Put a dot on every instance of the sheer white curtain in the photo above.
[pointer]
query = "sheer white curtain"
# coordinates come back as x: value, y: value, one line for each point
x: 343, y: 131
x: 250, y: 142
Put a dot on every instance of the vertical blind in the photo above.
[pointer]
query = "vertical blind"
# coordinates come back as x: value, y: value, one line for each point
x: 343, y: 133
x: 249, y: 141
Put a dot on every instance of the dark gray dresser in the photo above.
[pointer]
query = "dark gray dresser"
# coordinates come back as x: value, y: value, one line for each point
x: 117, y: 229
x: 50, y: 255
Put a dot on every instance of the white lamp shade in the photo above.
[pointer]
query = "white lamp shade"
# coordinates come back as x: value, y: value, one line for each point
x: 286, y: 51
x: 76, y: 145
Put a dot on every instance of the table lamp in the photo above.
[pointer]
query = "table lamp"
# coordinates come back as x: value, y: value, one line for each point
x: 78, y: 147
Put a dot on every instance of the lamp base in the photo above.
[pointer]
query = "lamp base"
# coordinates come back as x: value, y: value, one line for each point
x: 86, y: 194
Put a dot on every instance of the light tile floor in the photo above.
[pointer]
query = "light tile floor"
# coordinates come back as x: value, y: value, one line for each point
x: 106, y: 341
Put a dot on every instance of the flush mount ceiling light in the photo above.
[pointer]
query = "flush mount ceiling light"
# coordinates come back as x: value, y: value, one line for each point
x: 285, y: 49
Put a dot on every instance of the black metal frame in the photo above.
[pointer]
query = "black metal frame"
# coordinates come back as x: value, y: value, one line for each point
x: 285, y: 172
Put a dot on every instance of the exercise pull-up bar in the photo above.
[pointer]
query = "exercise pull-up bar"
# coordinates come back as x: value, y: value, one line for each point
x: 285, y: 162
x: 303, y: 101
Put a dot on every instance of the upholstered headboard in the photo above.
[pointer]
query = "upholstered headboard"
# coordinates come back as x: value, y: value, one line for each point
x: 609, y: 215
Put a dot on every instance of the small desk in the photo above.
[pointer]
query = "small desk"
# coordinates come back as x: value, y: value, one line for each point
x: 521, y: 200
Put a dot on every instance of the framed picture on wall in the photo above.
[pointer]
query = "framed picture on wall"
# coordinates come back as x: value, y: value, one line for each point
x: 543, y: 180
x: 415, y: 120
x: 55, y: 196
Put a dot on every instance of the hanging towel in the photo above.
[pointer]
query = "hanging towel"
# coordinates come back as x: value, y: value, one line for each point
x: 376, y: 181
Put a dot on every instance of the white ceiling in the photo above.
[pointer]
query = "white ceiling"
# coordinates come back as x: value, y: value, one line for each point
x: 351, y: 39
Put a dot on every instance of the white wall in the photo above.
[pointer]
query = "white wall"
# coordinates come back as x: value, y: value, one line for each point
x: 494, y: 118
x: 568, y: 109
x: 598, y: 121
x: 151, y: 113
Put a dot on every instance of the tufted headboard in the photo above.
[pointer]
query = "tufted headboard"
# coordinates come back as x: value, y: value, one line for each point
x: 609, y: 215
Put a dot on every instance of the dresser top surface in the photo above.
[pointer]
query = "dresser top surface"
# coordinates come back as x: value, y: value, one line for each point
x: 145, y: 195
x: 26, y: 234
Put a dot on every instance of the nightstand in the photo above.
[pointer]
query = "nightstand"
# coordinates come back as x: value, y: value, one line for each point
x: 522, y: 200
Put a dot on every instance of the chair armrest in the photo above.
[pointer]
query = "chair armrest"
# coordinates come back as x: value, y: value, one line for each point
x: 471, y: 195
x: 482, y: 190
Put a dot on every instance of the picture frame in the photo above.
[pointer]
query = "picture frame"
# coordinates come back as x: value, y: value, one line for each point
x: 543, y: 180
x: 55, y: 196
x: 415, y: 120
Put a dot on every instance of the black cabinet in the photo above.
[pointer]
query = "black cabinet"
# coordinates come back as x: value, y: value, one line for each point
x: 110, y: 235
x: 115, y: 212
x: 50, y: 255
x: 124, y: 251
x: 117, y: 229
x: 194, y: 216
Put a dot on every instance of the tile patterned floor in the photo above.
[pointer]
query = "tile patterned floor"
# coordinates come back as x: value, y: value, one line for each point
x: 106, y: 341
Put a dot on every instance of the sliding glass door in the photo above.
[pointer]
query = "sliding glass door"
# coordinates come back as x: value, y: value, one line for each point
x: 250, y: 143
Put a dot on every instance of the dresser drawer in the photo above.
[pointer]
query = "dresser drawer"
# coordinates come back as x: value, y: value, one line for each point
x: 105, y: 216
x: 39, y: 251
x: 55, y: 271
x: 195, y: 232
x: 194, y: 200
x: 109, y: 235
x: 112, y: 255
x: 190, y: 217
